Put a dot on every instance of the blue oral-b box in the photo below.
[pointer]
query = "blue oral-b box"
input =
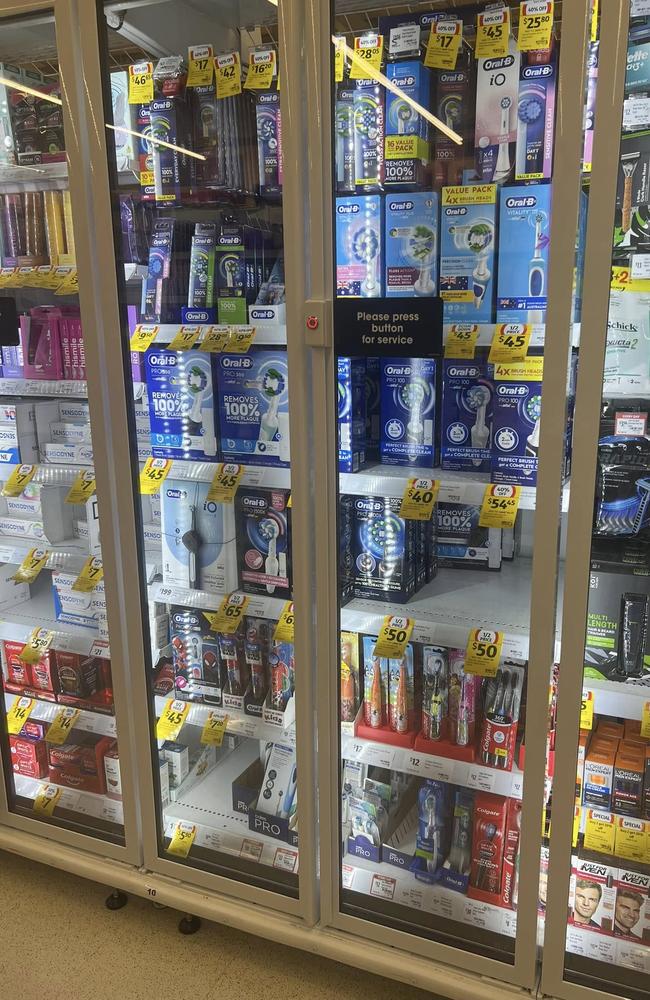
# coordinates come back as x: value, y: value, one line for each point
x: 411, y: 244
x: 407, y: 131
x: 516, y: 421
x: 253, y: 391
x: 181, y: 404
x: 351, y: 379
x: 408, y: 411
x: 466, y: 420
x: 467, y: 245
x: 359, y: 252
x: 524, y: 239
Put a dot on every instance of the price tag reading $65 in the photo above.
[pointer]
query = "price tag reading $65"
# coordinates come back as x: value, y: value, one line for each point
x: 483, y: 652
x: 393, y: 637
x: 229, y: 614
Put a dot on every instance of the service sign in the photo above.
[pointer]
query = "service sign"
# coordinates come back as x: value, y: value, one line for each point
x: 388, y: 327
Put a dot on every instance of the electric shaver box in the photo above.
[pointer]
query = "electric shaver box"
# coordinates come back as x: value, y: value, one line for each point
x: 198, y: 538
x: 617, y: 641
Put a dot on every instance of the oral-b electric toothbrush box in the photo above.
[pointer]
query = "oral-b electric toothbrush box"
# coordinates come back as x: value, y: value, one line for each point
x: 351, y: 381
x: 495, y: 135
x: 359, y: 251
x: 344, y: 139
x: 263, y: 523
x: 198, y: 538
x: 383, y: 550
x: 536, y: 116
x: 466, y: 424
x: 524, y: 243
x: 269, y: 142
x: 411, y: 244
x: 253, y: 394
x: 408, y: 411
x: 462, y: 542
x: 407, y: 131
x: 195, y: 652
x: 238, y: 259
x: 467, y: 245
x: 181, y: 404
x: 517, y: 411
x: 368, y: 121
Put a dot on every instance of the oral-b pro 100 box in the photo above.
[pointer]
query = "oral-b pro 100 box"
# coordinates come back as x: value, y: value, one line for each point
x: 198, y: 538
x: 467, y: 244
x: 408, y: 411
x: 253, y: 393
x: 516, y: 422
x: 411, y: 243
x: 351, y: 383
x: 524, y: 240
x: 466, y: 424
x: 181, y: 405
x: 359, y: 255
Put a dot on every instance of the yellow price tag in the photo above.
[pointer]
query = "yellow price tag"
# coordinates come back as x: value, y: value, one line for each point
x: 83, y: 488
x: 261, y: 70
x: 284, y: 628
x: 225, y: 483
x: 228, y: 69
x: 339, y: 59
x: 594, y: 21
x: 55, y: 276
x: 367, y: 54
x: 31, y: 566
x: 185, y: 339
x: 419, y: 499
x: 200, y: 65
x: 171, y: 719
x: 143, y: 337
x: 146, y: 178
x: 600, y: 832
x: 154, y: 474
x: 241, y: 339
x: 18, y: 715
x: 461, y: 340
x: 64, y: 722
x: 576, y: 826
x: 46, y: 799
x: 510, y: 343
x: 141, y: 83
x: 8, y: 277
x: 631, y: 839
x: 492, y: 34
x: 444, y: 45
x: 182, y: 840
x: 499, y: 506
x: 214, y: 339
x: 25, y: 277
x: 18, y: 480
x: 535, y: 25
x: 587, y: 710
x: 214, y: 730
x: 229, y: 614
x: 42, y: 276
x: 483, y: 652
x: 39, y: 642
x: 645, y: 720
x: 393, y: 637
x: 92, y: 573
x: 70, y: 284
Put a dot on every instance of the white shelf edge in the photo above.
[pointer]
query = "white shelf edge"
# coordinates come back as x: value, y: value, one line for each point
x: 257, y: 607
x: 83, y: 803
x: 239, y: 723
x: 89, y: 722
x: 267, y: 334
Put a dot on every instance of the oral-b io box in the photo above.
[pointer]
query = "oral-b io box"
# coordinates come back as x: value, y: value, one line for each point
x: 466, y: 422
x: 408, y: 411
x: 495, y: 134
x: 359, y: 252
x: 383, y: 550
x: 524, y: 242
x: 467, y: 244
x: 253, y: 392
x: 411, y: 244
x: 181, y: 404
x: 198, y: 538
x: 516, y: 421
x: 351, y: 390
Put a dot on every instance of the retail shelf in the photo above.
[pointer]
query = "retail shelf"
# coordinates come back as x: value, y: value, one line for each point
x: 254, y: 475
x: 258, y: 606
x: 18, y: 622
x: 208, y: 806
x: 67, y: 556
x: 455, y: 772
x: 40, y: 177
x: 269, y: 334
x: 486, y: 334
x: 624, y: 952
x: 391, y: 884
x: 239, y: 724
x: 59, y: 387
x: 625, y: 700
x: 87, y: 722
x: 83, y: 803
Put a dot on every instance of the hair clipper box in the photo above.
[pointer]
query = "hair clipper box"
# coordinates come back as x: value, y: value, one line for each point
x: 254, y: 406
x: 467, y: 243
x: 408, y: 411
x: 411, y: 244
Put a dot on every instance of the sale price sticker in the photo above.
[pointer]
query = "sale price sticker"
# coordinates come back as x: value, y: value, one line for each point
x: 200, y: 65
x: 510, y: 343
x: 645, y: 720
x: 64, y: 722
x: 92, y: 573
x: 460, y: 342
x: 483, y: 652
x: 631, y: 839
x: 46, y: 799
x: 215, y: 339
x: 492, y: 33
x: 285, y: 626
x: 261, y: 70
x: 241, y: 339
x: 83, y: 488
x: 600, y: 832
x: 171, y: 719
x: 225, y: 482
x: 499, y: 506
x: 143, y: 337
x: 339, y: 58
x: 214, y: 730
x: 587, y: 710
x: 154, y: 474
x: 535, y: 25
x: 419, y: 499
x: 39, y: 642
x: 229, y: 614
x: 393, y: 638
x: 31, y: 566
x: 228, y: 70
x: 367, y: 54
x: 141, y: 83
x: 185, y: 339
x: 70, y: 283
x: 182, y: 840
x: 18, y: 480
x: 18, y: 715
x: 444, y: 44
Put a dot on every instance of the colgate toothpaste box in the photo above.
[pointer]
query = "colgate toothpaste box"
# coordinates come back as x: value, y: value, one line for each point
x: 17, y: 672
x: 28, y: 756
x: 77, y: 674
x: 39, y: 678
x: 80, y: 765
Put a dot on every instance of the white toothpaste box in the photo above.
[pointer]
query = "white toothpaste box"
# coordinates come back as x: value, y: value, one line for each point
x: 74, y: 410
x: 92, y: 522
x: 152, y: 536
x: 48, y: 517
x: 53, y: 450
x: 18, y: 442
x: 69, y: 433
x: 66, y: 454
x: 11, y: 593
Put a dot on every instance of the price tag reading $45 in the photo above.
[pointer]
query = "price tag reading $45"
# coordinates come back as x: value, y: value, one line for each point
x: 393, y: 637
x: 483, y: 652
x: 171, y: 719
x: 225, y: 483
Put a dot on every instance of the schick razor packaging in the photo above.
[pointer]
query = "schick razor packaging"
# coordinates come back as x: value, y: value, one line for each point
x: 462, y: 542
x: 368, y: 108
x: 181, y: 404
x: 351, y: 379
x: 359, y: 255
x: 637, y: 73
x: 495, y: 135
x: 195, y: 653
x: 467, y: 243
x: 517, y: 412
x: 384, y: 550
x: 536, y: 116
x: 200, y: 293
x: 407, y: 131
x: 524, y: 239
x: 623, y: 483
x: 264, y: 541
x: 408, y: 411
x: 632, y: 218
x: 627, y: 355
x: 466, y: 423
x: 269, y: 142
x: 254, y: 406
x: 198, y: 538
x: 344, y: 139
x: 411, y: 244
x: 373, y: 408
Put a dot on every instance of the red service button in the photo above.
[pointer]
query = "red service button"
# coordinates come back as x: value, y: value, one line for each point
x: 312, y: 322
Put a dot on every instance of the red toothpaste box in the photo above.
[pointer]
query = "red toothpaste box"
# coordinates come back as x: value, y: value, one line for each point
x: 77, y: 674
x: 38, y: 680
x: 28, y: 756
x: 488, y: 843
x: 80, y: 765
x: 86, y: 673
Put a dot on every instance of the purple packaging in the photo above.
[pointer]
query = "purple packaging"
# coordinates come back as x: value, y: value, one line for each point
x: 12, y: 362
x: 137, y: 357
x: 40, y: 336
x: 536, y: 116
x: 269, y: 142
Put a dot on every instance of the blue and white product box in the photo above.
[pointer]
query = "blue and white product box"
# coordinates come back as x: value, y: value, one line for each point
x: 467, y: 252
x: 253, y: 394
x: 466, y: 423
x: 198, y: 538
x: 383, y: 550
x: 18, y: 442
x: 269, y: 142
x: 462, y: 542
x: 495, y: 132
x: 170, y: 160
x: 524, y: 242
x: 344, y: 139
x: 154, y: 287
x: 411, y: 244
x: 408, y: 411
x: 200, y: 293
x: 351, y: 381
x: 359, y: 251
x: 368, y: 121
x: 195, y: 653
x: 263, y: 523
x: 637, y: 73
x: 40, y: 512
x: 75, y: 608
x: 181, y: 404
x: 373, y: 408
x: 407, y: 131
x: 517, y: 411
x: 536, y: 116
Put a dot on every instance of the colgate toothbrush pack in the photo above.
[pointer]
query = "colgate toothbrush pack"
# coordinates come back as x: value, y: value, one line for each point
x: 502, y: 703
x: 488, y: 844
